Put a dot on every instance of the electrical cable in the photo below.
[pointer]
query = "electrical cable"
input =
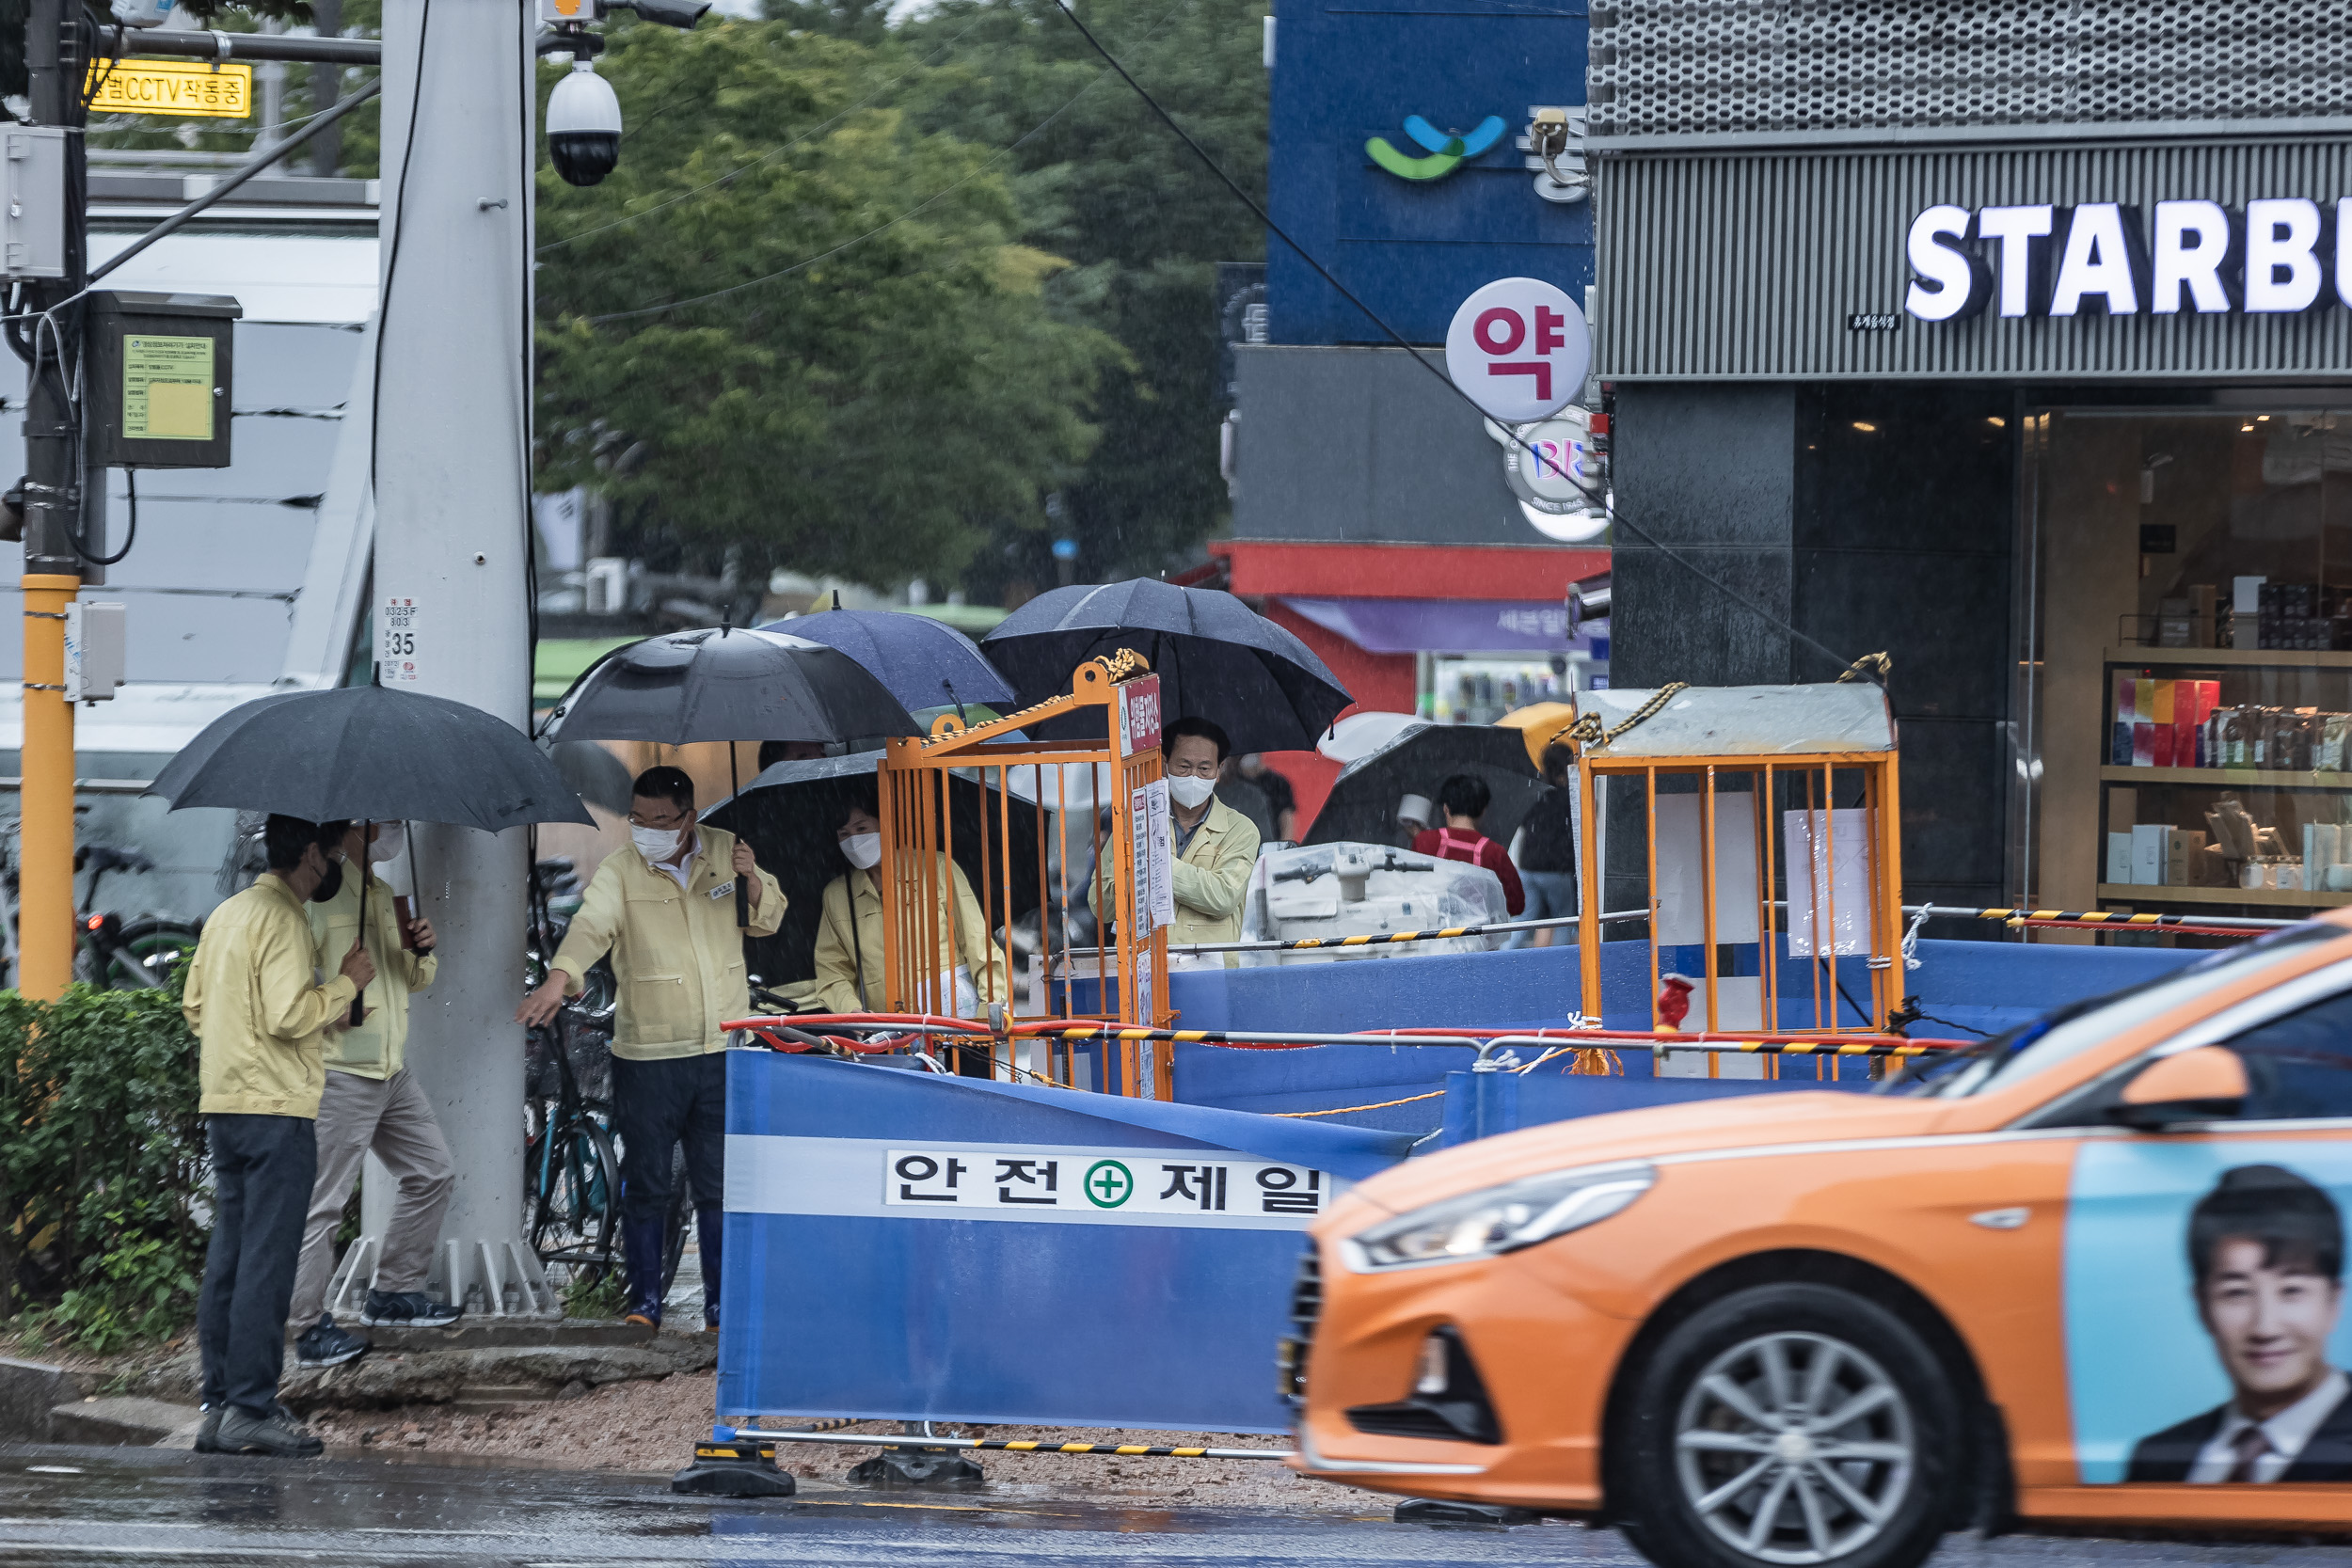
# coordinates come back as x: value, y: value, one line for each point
x: 774, y: 151
x: 1376, y: 318
x: 935, y: 197
x: 131, y: 485
x: 527, y: 308
x: 392, y: 251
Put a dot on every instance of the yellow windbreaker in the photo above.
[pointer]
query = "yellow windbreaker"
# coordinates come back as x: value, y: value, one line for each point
x: 257, y: 1012
x: 1212, y: 878
x: 962, y: 927
x: 376, y: 1049
x: 676, y: 951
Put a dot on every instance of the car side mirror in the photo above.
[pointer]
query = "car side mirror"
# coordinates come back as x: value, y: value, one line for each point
x: 2201, y: 1084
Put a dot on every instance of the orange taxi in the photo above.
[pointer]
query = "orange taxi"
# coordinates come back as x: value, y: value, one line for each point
x: 2091, y: 1271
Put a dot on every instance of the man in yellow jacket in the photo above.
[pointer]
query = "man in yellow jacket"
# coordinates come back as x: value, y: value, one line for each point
x: 665, y: 911
x: 849, y: 953
x: 1215, y: 845
x: 259, y: 1017
x: 372, y: 1104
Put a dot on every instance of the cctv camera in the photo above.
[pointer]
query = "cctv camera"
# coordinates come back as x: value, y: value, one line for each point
x: 583, y: 126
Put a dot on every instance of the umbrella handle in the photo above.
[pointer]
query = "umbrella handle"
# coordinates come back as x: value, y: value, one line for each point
x: 742, y: 889
x: 360, y: 997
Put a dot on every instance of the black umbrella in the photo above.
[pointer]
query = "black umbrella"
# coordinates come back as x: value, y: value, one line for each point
x: 1216, y: 660
x: 791, y: 814
x: 1362, y: 807
x: 369, y: 752
x: 727, y: 684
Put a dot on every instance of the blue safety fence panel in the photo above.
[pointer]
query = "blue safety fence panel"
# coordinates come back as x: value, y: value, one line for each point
x: 1963, y: 986
x: 1482, y: 1105
x: 908, y: 1246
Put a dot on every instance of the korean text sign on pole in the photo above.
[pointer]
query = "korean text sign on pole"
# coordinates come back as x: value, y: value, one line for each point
x: 1519, y: 348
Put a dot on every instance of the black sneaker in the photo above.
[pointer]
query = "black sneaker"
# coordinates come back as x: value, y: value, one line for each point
x: 276, y: 1434
x: 408, y: 1309
x: 208, y: 1434
x: 322, y: 1344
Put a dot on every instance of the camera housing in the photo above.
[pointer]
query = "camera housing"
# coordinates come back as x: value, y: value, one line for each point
x: 583, y: 126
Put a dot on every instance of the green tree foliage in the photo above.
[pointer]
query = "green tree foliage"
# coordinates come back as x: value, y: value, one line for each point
x: 102, y: 1157
x: 883, y: 384
x: 1103, y: 184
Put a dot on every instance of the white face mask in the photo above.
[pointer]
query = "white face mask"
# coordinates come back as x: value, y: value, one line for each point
x: 656, y: 844
x: 389, y: 839
x: 864, y: 850
x: 1189, y: 791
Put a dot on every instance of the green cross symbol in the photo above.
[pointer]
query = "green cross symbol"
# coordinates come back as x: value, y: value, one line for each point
x: 1108, y: 1184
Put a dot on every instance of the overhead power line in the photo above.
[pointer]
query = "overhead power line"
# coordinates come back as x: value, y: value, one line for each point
x: 1375, y: 317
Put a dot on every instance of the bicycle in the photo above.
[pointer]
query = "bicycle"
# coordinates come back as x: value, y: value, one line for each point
x: 570, y: 1173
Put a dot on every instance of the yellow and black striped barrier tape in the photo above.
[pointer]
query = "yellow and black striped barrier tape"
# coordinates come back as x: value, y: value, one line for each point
x: 2088, y: 917
x: 1302, y: 942
x: 1008, y: 1445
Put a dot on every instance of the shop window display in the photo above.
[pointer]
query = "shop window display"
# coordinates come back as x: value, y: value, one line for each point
x: 2190, y: 659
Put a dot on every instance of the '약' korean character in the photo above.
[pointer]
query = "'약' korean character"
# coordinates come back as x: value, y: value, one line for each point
x: 1200, y: 1184
x: 1283, y: 1194
x: 939, y: 1173
x: 1040, y: 1178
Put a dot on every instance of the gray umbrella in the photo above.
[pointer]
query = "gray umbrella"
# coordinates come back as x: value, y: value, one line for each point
x: 369, y: 752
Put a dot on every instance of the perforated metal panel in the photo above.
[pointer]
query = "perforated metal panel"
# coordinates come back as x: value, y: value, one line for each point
x: 1664, y: 67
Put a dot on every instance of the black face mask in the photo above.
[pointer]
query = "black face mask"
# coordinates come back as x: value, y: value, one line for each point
x: 329, y: 884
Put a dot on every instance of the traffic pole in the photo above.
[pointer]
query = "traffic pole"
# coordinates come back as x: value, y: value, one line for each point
x: 53, y: 572
x: 451, y: 486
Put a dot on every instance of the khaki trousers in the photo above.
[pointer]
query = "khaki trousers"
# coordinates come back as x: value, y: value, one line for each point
x: 392, y: 1118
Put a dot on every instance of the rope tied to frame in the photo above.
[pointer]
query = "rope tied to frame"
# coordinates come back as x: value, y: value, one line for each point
x: 1588, y: 734
x: 1871, y: 667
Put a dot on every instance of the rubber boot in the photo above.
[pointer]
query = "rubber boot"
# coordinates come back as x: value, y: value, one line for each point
x: 640, y: 1255
x: 709, y: 1224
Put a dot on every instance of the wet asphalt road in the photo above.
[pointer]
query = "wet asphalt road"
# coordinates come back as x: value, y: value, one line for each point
x: 62, y: 1505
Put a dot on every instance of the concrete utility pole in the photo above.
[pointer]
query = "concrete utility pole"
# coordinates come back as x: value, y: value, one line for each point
x: 453, y: 485
x: 53, y: 571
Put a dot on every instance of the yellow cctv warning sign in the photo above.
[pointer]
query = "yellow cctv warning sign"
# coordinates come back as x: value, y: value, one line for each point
x: 191, y: 88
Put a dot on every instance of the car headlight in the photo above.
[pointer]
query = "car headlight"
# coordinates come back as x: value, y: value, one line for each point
x: 1496, y: 1220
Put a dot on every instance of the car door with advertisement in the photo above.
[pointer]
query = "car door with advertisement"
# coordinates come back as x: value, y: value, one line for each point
x: 2203, y: 1281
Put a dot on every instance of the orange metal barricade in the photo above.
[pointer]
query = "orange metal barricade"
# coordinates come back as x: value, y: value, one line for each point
x: 1123, y: 780
x: 1781, y: 859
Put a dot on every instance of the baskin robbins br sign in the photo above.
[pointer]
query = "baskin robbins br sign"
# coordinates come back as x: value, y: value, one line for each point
x: 2275, y: 255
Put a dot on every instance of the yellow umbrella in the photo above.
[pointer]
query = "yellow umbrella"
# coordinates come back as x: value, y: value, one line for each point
x: 1540, y: 724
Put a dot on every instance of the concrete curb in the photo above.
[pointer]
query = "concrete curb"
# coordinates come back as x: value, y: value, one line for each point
x: 30, y: 1390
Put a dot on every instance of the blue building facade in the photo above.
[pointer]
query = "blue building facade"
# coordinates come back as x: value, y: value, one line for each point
x: 1414, y: 249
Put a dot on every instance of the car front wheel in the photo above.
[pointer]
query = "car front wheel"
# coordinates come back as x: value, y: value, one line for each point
x: 1791, y: 1425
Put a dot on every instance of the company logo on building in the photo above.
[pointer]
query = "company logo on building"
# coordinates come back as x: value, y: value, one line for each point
x: 1446, y: 151
x: 2275, y: 255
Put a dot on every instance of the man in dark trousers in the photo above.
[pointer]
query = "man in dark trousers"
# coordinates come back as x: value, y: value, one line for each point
x: 259, y: 1018
x: 2265, y: 1251
x: 665, y: 909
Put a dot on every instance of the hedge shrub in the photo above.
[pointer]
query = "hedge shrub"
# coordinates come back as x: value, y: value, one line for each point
x: 101, y: 1166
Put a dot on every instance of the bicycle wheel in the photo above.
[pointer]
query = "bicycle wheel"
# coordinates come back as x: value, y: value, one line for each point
x: 576, y: 1184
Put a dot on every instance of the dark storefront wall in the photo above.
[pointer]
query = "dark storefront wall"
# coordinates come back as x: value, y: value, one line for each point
x: 1897, y: 538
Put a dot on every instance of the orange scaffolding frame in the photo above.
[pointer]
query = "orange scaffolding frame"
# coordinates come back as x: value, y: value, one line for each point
x: 1793, y: 791
x: 918, y: 846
